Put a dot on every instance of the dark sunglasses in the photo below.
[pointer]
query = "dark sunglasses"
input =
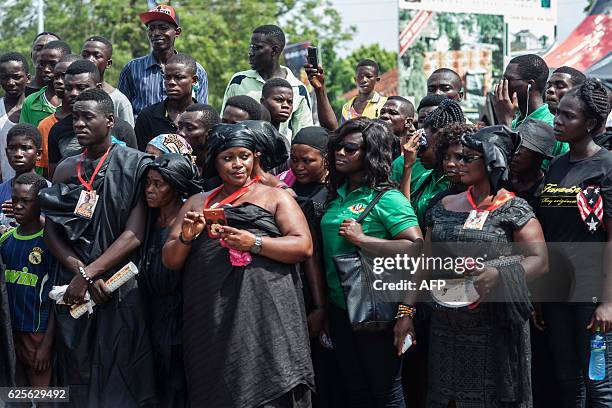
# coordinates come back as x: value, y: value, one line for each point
x: 349, y: 147
x: 467, y: 158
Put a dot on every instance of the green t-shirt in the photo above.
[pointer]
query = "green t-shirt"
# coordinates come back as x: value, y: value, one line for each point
x: 423, y: 189
x: 35, y: 108
x: 390, y: 216
x: 543, y: 114
x: 424, y: 185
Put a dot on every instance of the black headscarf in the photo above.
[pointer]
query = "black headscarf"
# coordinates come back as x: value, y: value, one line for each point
x: 313, y: 136
x: 225, y: 136
x: 179, y: 172
x: 273, y: 146
x: 498, y: 145
x: 255, y: 135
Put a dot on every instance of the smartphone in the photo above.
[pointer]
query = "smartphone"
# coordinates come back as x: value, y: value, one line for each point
x: 313, y: 56
x: 215, y: 219
x: 423, y: 144
x: 407, y: 343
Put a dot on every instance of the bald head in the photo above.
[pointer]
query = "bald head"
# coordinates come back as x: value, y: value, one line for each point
x: 445, y: 81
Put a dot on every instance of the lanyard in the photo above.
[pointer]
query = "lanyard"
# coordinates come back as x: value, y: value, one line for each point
x: 232, y: 197
x: 496, y: 203
x: 89, y: 185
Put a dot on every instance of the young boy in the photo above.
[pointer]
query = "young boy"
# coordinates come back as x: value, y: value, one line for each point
x: 14, y: 76
x: 368, y: 102
x: 241, y: 107
x: 29, y: 276
x: 100, y: 51
x: 43, y: 103
x: 45, y: 125
x: 277, y: 97
x: 194, y: 125
x: 23, y: 149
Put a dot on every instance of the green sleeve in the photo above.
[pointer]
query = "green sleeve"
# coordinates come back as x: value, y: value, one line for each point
x: 395, y: 212
x: 397, y: 170
x: 24, y: 116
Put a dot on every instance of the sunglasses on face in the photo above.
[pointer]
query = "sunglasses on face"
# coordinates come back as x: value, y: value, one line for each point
x: 349, y: 148
x: 467, y: 158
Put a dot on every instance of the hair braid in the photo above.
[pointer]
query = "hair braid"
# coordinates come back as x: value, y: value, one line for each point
x: 446, y: 113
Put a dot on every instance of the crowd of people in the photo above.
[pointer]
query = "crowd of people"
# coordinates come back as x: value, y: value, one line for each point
x: 236, y: 221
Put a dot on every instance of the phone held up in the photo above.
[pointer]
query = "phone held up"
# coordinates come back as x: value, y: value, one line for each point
x: 313, y: 56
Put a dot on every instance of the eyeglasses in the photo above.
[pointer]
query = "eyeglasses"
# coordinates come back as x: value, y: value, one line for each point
x: 467, y: 158
x: 349, y: 147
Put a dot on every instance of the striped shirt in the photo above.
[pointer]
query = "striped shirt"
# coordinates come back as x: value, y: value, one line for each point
x: 142, y: 81
x: 250, y: 83
x: 29, y: 276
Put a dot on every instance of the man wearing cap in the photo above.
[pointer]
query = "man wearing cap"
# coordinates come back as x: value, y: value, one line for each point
x: 142, y: 79
x: 526, y: 174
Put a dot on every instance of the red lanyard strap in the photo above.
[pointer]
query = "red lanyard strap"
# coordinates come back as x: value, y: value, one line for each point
x: 232, y: 197
x: 89, y: 185
x: 495, y: 204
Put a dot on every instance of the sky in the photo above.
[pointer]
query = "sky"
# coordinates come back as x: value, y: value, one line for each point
x: 376, y: 21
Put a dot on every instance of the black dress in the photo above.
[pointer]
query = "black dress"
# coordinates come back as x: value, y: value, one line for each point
x: 464, y: 344
x: 245, y: 335
x: 165, y: 301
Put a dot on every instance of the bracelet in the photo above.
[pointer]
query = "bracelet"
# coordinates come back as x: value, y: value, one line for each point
x: 184, y: 241
x: 404, y: 310
x: 84, y: 275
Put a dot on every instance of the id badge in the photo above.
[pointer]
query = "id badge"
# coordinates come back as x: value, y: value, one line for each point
x: 476, y: 220
x: 87, y: 204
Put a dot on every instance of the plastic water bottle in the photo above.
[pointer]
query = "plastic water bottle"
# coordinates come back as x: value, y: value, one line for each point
x: 597, y: 363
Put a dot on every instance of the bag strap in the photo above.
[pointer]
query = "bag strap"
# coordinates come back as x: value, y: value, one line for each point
x: 370, y: 206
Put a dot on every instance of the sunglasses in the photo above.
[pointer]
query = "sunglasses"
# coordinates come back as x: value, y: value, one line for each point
x: 349, y: 148
x: 467, y: 158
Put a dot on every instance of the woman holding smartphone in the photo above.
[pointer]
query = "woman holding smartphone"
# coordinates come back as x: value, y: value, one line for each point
x: 244, y: 325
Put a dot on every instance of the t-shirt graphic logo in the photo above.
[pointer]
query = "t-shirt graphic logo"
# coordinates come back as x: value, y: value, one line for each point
x: 357, y: 208
x: 35, y: 256
x: 590, y: 206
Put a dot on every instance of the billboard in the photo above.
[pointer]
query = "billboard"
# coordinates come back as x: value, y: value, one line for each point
x: 475, y: 38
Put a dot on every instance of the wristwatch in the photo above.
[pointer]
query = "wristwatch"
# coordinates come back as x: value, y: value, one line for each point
x: 256, y: 248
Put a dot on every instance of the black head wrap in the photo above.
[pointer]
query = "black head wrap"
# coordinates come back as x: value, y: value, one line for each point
x: 179, y: 172
x: 225, y: 136
x: 273, y: 146
x: 498, y: 145
x: 313, y: 136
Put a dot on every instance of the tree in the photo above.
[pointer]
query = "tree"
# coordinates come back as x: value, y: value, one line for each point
x: 215, y: 32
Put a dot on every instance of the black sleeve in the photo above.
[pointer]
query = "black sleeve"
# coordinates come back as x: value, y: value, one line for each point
x: 124, y: 132
x: 53, y: 148
x: 141, y: 128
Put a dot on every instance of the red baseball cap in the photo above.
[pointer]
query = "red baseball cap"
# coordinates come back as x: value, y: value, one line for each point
x: 161, y: 12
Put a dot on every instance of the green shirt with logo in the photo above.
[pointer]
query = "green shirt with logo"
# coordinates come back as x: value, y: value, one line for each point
x: 390, y: 216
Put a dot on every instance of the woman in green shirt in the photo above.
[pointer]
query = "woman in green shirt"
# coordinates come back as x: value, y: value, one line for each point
x: 359, y: 168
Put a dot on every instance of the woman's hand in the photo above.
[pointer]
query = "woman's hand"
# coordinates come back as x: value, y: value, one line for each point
x: 100, y: 292
x: 238, y: 239
x: 404, y: 326
x: 486, y: 280
x: 411, y: 148
x: 351, y: 230
x: 602, y: 318
x: 193, y: 225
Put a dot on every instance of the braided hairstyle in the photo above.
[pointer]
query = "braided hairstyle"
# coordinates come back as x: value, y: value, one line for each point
x: 447, y: 112
x: 595, y: 101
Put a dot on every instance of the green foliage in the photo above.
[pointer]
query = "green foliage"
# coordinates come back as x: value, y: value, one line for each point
x: 215, y: 32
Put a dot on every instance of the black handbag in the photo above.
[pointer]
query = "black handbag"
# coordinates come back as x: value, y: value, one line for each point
x: 355, y: 272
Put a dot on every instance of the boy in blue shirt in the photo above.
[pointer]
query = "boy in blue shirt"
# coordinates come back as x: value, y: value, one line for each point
x: 23, y: 149
x: 29, y: 275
